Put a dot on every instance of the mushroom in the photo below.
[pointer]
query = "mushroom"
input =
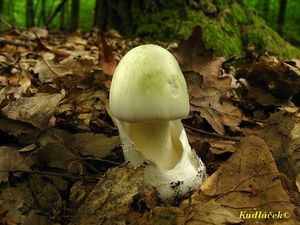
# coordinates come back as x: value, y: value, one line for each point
x: 148, y: 98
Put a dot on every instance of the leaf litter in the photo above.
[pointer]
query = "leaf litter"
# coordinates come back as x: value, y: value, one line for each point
x: 60, y: 153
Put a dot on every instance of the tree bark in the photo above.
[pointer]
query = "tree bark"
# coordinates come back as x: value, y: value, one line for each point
x: 43, y: 12
x: 29, y: 13
x: 74, y: 15
x: 62, y: 18
x: 1, y: 12
x: 281, y: 16
x: 100, y: 14
x: 58, y: 8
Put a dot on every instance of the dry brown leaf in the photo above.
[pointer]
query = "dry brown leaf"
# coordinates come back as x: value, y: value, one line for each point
x: 84, y: 106
x: 96, y: 145
x: 162, y: 216
x: 26, y: 134
x: 274, y: 77
x: 34, y: 32
x: 45, y: 194
x: 49, y: 68
x: 192, y: 55
x: 106, y: 57
x: 12, y: 199
x: 248, y: 181
x: 282, y: 134
x: 208, y: 102
x: 77, y: 194
x: 34, y: 218
x: 36, y: 110
x: 298, y: 182
x: 53, y: 151
x: 222, y: 146
x: 109, y: 201
x: 210, y: 212
x: 10, y: 160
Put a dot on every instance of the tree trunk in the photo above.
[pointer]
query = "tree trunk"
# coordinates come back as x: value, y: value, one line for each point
x: 74, y: 15
x: 281, y: 15
x: 62, y: 18
x: 100, y: 14
x: 266, y: 9
x: 29, y: 13
x: 1, y: 12
x: 43, y: 12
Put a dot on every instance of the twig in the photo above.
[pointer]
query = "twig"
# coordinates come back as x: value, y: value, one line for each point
x: 7, y: 24
x: 212, y: 134
x: 58, y: 8
x: 46, y: 173
x: 101, y: 160
x: 17, y: 43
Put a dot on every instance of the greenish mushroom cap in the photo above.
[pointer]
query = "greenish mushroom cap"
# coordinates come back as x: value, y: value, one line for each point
x: 148, y: 85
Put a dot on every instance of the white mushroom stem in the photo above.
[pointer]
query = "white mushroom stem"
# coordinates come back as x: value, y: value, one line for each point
x: 154, y: 141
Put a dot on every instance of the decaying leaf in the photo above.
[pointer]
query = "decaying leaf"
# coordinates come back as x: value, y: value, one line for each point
x: 106, y: 57
x: 298, y: 182
x: 222, y: 146
x: 208, y: 90
x: 161, y: 216
x: 10, y: 160
x: 34, y: 32
x: 50, y: 68
x: 34, y: 218
x: 46, y: 195
x: 13, y: 199
x: 248, y: 181
x: 210, y: 212
x: 96, y: 145
x: 192, y: 55
x: 109, y: 201
x: 282, y: 134
x: 26, y: 134
x: 273, y: 76
x: 208, y: 101
x: 35, y: 110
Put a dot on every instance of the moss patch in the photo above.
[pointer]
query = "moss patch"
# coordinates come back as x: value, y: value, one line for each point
x: 228, y: 27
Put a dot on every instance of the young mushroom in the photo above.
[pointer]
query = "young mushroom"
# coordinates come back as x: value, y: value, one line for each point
x: 148, y: 98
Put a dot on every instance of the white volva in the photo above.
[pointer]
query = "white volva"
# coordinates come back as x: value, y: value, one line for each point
x: 148, y: 98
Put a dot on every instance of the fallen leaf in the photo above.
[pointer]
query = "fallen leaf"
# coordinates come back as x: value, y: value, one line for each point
x: 272, y: 75
x: 298, y: 182
x: 210, y: 212
x: 109, y: 201
x: 34, y: 218
x: 47, y: 196
x: 282, y: 134
x: 106, y: 57
x: 208, y: 101
x: 163, y: 216
x: 36, y: 110
x: 34, y: 32
x: 192, y: 55
x: 96, y: 145
x: 50, y: 68
x: 13, y: 199
x: 26, y: 134
x: 248, y: 181
x: 10, y: 160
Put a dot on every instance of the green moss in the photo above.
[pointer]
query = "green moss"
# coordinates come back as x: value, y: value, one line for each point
x: 265, y: 39
x: 236, y: 28
x: 228, y: 27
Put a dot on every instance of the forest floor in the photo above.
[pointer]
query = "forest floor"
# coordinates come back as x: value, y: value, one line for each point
x: 61, y: 159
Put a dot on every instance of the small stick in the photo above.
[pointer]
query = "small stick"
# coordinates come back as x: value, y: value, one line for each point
x: 212, y: 134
